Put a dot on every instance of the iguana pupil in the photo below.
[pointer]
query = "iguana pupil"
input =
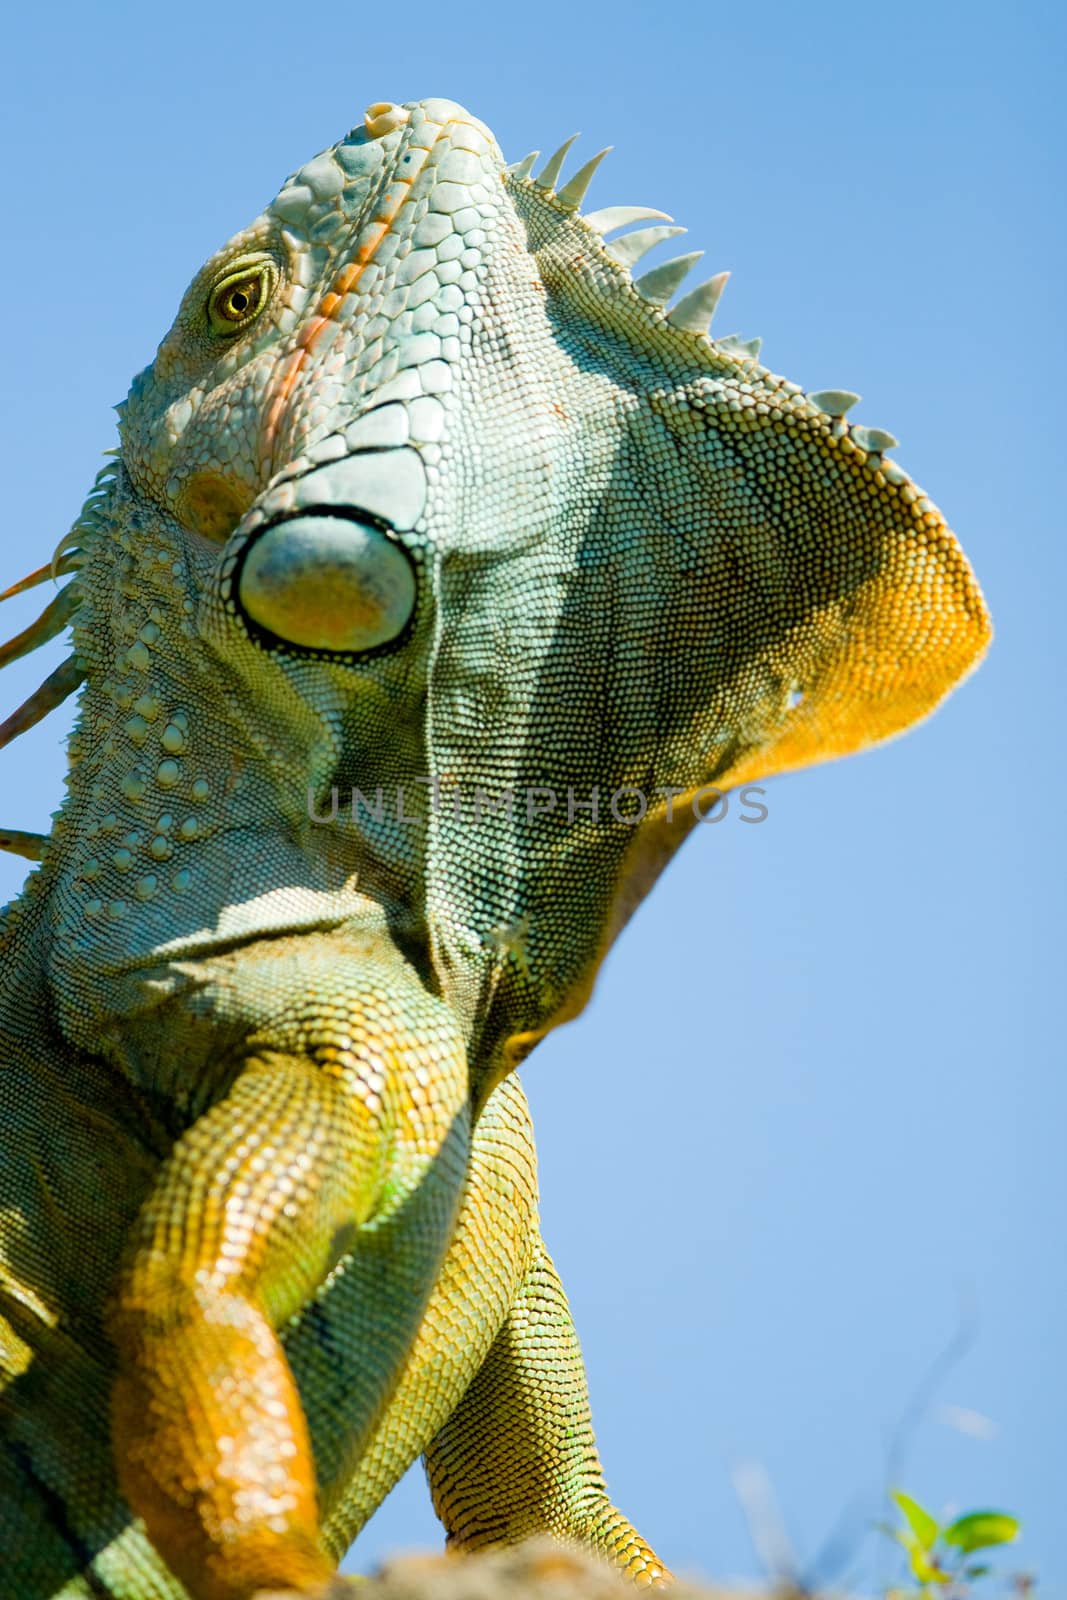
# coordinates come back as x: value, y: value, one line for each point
x: 239, y: 300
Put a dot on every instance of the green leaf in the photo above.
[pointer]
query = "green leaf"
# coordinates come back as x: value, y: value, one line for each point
x: 980, y: 1529
x: 976, y: 1571
x: 924, y: 1568
x: 919, y: 1520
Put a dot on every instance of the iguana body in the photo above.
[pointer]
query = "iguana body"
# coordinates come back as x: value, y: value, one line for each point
x: 421, y: 497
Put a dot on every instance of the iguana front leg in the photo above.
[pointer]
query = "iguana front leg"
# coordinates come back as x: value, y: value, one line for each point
x: 494, y: 1390
x: 343, y: 1131
x: 517, y: 1457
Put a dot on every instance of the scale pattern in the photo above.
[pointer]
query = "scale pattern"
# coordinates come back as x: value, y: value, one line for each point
x: 443, y: 577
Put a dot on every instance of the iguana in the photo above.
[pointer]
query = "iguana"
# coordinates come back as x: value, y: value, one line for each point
x: 442, y: 575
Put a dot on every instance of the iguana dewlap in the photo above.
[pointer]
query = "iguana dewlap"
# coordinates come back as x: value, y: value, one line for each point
x: 441, y: 572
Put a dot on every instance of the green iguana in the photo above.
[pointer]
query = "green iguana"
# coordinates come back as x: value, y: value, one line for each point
x: 442, y: 575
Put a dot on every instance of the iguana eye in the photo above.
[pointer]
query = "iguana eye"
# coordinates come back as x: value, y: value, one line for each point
x: 238, y: 297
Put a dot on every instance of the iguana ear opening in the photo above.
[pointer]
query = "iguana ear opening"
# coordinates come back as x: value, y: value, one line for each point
x: 318, y: 567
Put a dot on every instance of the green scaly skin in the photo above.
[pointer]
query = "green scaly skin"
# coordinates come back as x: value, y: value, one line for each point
x: 421, y: 496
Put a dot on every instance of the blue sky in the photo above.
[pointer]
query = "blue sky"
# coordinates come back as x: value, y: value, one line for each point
x: 812, y: 1117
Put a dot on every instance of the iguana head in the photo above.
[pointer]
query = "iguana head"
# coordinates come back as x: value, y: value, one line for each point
x: 423, y: 486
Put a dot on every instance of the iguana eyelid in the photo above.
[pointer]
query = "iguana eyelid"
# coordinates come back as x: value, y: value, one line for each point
x: 255, y: 277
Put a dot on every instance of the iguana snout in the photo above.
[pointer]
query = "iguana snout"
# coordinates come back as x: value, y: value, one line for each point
x: 357, y: 274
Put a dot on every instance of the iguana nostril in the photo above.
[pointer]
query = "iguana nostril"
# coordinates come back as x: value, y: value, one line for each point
x: 327, y: 582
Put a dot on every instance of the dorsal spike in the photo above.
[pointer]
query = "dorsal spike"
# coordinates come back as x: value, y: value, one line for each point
x: 835, y: 402
x: 30, y: 845
x: 573, y: 193
x: 696, y: 309
x: 734, y: 345
x: 632, y: 246
x: 549, y: 173
x: 67, y: 677
x: 873, y: 438
x: 523, y: 168
x: 30, y: 581
x: 66, y: 553
x: 53, y: 619
x: 612, y: 217
x: 659, y: 284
